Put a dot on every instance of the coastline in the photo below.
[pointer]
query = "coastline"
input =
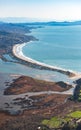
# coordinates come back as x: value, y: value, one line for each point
x: 17, y: 52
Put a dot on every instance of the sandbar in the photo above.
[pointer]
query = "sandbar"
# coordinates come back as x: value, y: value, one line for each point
x: 17, y: 52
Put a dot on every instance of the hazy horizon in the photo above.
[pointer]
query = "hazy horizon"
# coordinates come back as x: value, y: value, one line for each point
x: 44, y: 10
x: 30, y: 20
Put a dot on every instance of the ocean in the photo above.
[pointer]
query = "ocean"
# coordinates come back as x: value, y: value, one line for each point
x: 57, y: 46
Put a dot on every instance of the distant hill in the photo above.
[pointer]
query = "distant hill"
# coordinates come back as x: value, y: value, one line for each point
x: 54, y: 23
x: 11, y: 34
x: 14, y: 28
x: 65, y: 23
x: 32, y: 21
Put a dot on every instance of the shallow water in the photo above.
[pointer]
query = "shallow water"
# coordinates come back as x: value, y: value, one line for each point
x: 15, y: 68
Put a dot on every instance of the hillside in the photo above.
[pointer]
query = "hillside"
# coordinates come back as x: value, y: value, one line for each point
x: 11, y: 34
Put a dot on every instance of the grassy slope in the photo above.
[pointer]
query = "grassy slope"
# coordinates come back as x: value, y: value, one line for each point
x: 56, y: 122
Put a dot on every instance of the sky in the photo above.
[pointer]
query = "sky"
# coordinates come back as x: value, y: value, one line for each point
x: 59, y: 10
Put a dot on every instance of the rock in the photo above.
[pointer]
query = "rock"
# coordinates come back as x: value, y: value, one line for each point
x: 78, y: 81
x: 62, y: 84
x: 15, y: 112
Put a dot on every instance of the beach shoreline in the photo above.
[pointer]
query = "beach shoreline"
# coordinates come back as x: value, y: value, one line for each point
x: 17, y: 52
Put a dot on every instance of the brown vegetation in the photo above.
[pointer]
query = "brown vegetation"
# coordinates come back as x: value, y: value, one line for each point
x: 31, y: 119
x: 26, y: 84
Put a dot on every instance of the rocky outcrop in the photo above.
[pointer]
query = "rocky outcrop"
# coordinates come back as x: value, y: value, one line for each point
x: 78, y: 82
x: 63, y: 85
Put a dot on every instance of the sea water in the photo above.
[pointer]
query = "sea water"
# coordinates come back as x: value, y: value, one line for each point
x: 57, y: 45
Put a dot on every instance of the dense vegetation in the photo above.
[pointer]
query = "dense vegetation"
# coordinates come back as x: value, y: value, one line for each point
x: 77, y: 92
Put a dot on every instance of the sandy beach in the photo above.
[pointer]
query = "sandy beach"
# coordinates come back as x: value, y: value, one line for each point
x: 17, y: 52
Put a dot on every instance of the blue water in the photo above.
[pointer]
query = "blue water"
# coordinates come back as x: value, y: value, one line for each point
x: 58, y: 46
x: 19, y: 69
